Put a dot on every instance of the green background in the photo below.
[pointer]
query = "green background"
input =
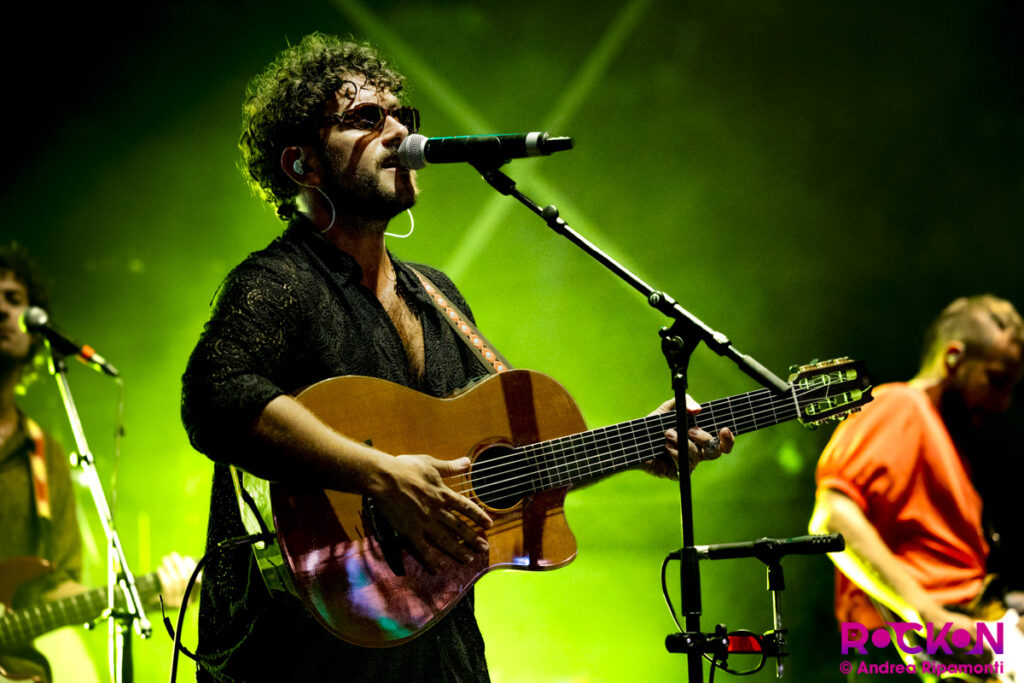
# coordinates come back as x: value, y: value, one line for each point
x: 814, y: 179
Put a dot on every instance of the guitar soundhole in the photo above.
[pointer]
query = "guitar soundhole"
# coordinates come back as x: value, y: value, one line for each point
x: 501, y: 478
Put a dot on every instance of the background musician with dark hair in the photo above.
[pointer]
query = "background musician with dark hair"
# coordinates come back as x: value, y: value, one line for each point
x: 37, y: 499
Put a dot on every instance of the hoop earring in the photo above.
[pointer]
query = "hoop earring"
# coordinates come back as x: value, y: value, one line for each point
x: 334, y: 214
x: 412, y: 226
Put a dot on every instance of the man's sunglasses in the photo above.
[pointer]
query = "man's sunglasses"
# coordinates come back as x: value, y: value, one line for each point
x: 371, y: 116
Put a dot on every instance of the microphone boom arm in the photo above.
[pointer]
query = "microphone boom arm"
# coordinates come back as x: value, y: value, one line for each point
x: 678, y: 343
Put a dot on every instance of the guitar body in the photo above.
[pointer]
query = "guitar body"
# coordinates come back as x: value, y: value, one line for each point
x: 527, y: 443
x: 340, y: 564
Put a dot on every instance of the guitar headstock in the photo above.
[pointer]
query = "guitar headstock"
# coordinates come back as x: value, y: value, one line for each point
x: 830, y: 390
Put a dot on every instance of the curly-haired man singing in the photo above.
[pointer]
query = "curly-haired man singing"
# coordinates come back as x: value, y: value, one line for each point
x: 322, y: 126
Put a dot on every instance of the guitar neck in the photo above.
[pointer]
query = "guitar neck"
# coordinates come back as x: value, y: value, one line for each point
x: 587, y: 455
x: 23, y: 625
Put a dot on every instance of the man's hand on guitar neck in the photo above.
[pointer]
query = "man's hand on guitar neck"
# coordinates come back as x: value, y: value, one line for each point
x: 174, y: 573
x: 430, y: 516
x: 701, y: 446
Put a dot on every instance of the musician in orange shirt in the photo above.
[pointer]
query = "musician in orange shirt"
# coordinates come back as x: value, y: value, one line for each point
x: 895, y: 482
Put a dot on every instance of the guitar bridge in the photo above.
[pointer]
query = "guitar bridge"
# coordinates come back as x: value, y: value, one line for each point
x: 387, y: 538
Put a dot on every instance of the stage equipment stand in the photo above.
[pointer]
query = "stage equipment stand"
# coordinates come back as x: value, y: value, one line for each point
x: 770, y: 551
x: 678, y: 344
x: 121, y: 618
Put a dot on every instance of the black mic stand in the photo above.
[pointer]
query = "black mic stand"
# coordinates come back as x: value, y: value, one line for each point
x: 770, y: 551
x: 120, y: 618
x: 678, y: 344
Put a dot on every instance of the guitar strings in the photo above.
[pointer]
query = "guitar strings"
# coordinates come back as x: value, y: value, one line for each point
x: 644, y: 445
x: 645, y: 434
x: 650, y: 446
x: 528, y: 478
x: 608, y: 460
x: 527, y: 472
x: 600, y: 438
x: 664, y: 420
x: 630, y: 439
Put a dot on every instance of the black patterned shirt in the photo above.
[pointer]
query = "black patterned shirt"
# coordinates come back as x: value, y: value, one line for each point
x: 288, y: 316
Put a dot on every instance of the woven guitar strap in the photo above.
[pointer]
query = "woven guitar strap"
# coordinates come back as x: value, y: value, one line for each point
x: 464, y: 330
x: 253, y: 494
x: 37, y: 465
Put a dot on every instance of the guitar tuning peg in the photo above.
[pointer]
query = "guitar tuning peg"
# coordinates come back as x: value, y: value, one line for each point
x: 794, y: 369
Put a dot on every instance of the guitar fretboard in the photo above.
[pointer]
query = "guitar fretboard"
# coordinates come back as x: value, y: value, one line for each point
x: 23, y: 625
x: 579, y: 457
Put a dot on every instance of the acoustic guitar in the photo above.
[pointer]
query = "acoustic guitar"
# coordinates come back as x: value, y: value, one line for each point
x: 18, y: 628
x: 528, y: 445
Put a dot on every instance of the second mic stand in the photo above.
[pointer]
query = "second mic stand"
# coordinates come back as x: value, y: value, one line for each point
x: 678, y: 344
x: 121, y: 618
x: 770, y: 551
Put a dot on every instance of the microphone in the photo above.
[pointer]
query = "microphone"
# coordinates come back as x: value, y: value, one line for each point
x: 35, y: 319
x: 771, y: 549
x: 416, y: 151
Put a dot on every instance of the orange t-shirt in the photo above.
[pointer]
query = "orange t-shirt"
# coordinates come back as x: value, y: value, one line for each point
x: 897, y: 462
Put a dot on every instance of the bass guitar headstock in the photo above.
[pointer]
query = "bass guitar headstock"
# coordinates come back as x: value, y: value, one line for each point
x: 830, y: 390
